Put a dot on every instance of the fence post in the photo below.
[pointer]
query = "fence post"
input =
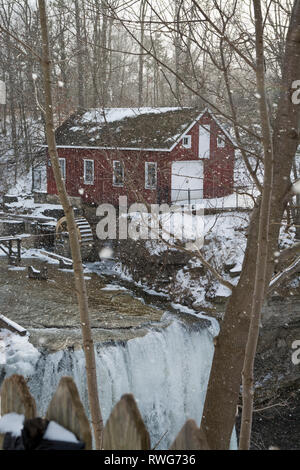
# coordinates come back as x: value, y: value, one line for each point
x: 125, y: 428
x: 16, y: 398
x: 67, y: 410
x: 190, y: 438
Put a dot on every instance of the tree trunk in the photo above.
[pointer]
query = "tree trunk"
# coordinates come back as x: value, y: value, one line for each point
x: 263, y: 238
x: 88, y: 345
x: 178, y: 52
x: 141, y: 56
x: 80, y: 69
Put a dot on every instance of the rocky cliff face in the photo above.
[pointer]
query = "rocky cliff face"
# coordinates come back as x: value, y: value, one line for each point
x: 280, y: 329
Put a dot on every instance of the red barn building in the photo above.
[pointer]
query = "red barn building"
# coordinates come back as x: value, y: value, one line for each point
x: 147, y: 154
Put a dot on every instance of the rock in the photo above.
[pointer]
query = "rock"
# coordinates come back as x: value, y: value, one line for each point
x: 39, y: 197
x: 55, y: 213
x: 280, y: 328
x: 196, y: 271
x: 157, y: 266
x: 228, y: 265
x: 235, y: 271
x: 65, y: 265
x: 218, y: 295
x: 59, y: 213
x: 8, y: 199
x: 11, y: 227
x: 41, y: 275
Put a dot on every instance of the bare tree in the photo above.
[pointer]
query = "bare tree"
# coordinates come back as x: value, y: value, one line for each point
x: 244, y: 306
x: 80, y: 286
x: 260, y: 284
x: 80, y: 67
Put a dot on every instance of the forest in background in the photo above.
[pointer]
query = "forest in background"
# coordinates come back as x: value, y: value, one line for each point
x: 111, y: 53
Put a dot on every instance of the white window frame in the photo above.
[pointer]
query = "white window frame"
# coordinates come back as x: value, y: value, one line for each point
x: 37, y: 178
x: 221, y: 141
x: 188, y: 144
x: 147, y: 186
x: 118, y: 185
x: 85, y: 173
x: 63, y: 168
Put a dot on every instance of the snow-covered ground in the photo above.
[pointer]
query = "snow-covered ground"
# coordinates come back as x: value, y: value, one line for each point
x: 233, y: 201
x: 23, y: 187
x: 224, y: 237
x: 32, y: 209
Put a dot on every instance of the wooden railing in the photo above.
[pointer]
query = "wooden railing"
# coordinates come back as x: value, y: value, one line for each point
x: 124, y: 430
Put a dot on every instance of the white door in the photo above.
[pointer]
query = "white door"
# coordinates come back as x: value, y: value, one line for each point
x: 204, y: 141
x: 187, y: 178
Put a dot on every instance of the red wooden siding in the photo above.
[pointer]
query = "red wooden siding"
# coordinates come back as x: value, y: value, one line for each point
x: 218, y: 170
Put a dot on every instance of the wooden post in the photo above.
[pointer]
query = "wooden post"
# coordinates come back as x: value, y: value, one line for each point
x: 190, y: 438
x: 125, y: 428
x: 67, y: 410
x: 10, y: 325
x: 80, y: 286
x: 19, y: 250
x: 10, y: 251
x: 16, y: 398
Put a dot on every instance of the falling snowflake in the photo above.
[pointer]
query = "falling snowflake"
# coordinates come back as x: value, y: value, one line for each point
x: 296, y: 187
x: 106, y: 253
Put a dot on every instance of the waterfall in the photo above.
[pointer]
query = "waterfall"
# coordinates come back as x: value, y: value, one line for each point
x: 167, y: 371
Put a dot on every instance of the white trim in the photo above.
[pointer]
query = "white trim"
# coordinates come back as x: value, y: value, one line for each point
x: 147, y: 174
x: 206, y: 110
x: 204, y: 129
x: 223, y: 128
x: 188, y: 145
x: 110, y: 148
x: 64, y: 168
x: 118, y: 185
x: 91, y: 183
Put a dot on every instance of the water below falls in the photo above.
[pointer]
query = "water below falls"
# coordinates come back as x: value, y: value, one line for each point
x: 167, y: 370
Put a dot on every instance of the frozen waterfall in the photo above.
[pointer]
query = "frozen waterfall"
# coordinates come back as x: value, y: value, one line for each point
x: 167, y: 370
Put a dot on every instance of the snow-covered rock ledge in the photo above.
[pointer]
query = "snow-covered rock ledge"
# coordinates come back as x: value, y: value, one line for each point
x: 17, y: 355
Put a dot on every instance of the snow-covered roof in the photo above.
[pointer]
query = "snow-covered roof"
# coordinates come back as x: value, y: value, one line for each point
x: 128, y: 128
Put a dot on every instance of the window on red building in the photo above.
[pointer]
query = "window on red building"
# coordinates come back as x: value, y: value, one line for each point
x: 187, y: 142
x: 150, y: 175
x: 118, y: 173
x: 88, y: 171
x: 221, y: 141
